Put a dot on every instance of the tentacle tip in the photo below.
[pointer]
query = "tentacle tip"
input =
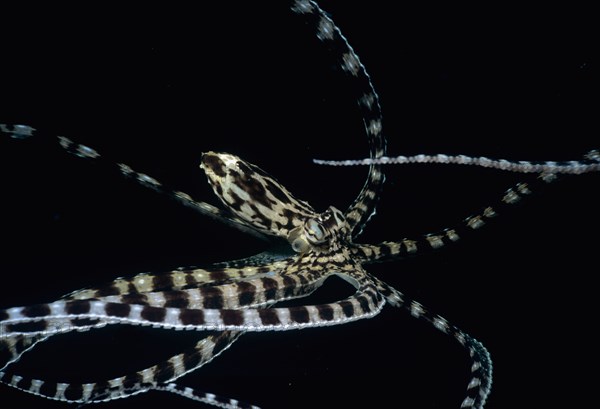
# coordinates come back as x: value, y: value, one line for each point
x: 17, y: 131
x: 593, y: 155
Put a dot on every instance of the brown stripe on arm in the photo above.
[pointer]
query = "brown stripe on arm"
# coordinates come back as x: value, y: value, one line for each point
x: 246, y: 293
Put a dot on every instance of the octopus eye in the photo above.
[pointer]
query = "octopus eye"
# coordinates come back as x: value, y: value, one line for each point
x: 314, y: 231
x: 300, y: 245
x: 298, y: 240
x: 311, y: 233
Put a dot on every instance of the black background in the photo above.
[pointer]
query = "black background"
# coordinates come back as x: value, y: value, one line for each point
x: 156, y: 86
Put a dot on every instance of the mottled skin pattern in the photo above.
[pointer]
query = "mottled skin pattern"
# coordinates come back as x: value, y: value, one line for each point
x: 271, y: 279
x: 241, y: 295
x: 230, y: 299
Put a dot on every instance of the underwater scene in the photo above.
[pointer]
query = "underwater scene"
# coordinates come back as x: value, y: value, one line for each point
x: 144, y: 93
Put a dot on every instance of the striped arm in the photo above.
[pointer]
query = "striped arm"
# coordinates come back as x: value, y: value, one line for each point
x: 480, y: 384
x: 88, y: 153
x: 591, y: 163
x: 157, y: 377
x: 11, y: 349
x: 368, y: 253
x: 151, y: 378
x: 38, y: 319
x: 363, y: 207
x: 179, y: 279
x: 254, y: 292
x: 143, y: 289
x: 181, y: 364
x: 207, y: 398
x: 258, y: 292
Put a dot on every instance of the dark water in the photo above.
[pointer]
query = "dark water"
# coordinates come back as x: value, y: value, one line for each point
x: 154, y: 88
